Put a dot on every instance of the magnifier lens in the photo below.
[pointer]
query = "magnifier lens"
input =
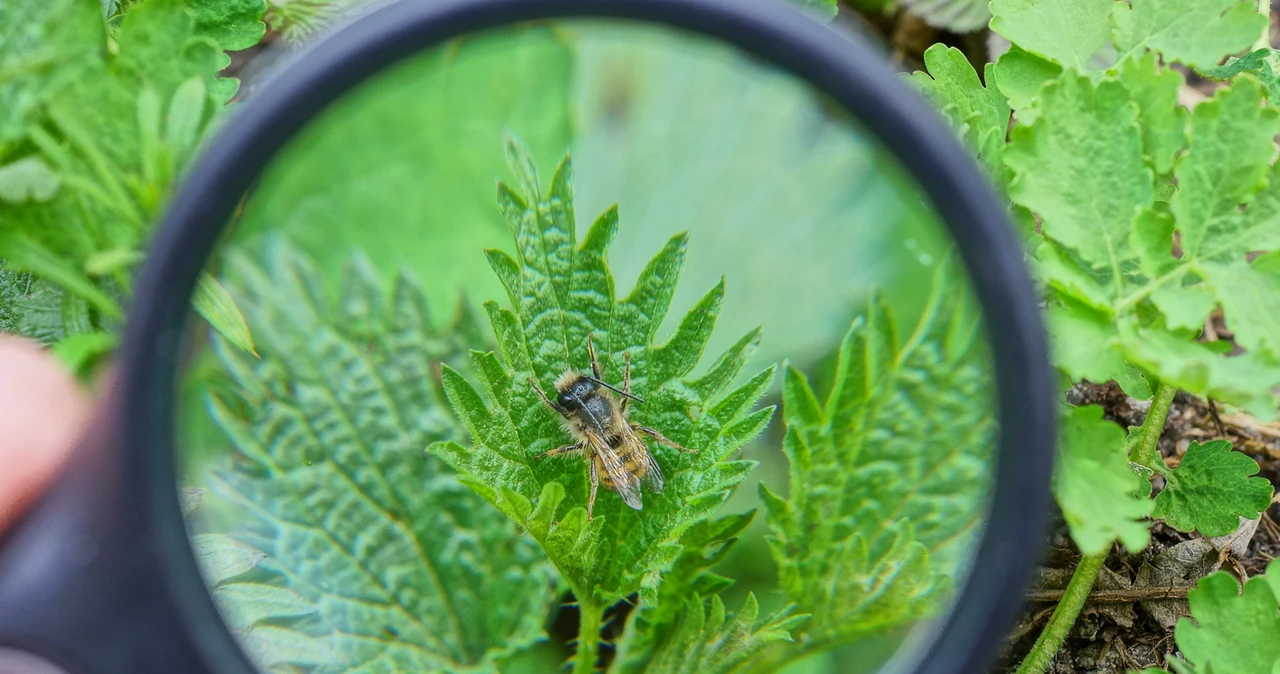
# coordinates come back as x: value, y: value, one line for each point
x: 699, y: 383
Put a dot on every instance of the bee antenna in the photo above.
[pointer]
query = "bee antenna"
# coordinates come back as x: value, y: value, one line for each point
x: 615, y: 389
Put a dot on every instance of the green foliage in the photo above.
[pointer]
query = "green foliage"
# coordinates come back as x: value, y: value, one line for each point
x: 1066, y: 31
x: 885, y: 476
x: 1230, y: 631
x: 707, y: 640
x: 1261, y: 63
x: 1195, y: 32
x: 1211, y: 489
x: 92, y: 139
x: 406, y: 569
x: 219, y: 309
x: 560, y: 292
x: 981, y: 114
x: 1101, y: 498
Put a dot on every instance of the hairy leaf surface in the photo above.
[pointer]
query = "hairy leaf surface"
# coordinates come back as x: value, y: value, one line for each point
x: 407, y: 569
x: 887, y: 476
x: 561, y: 291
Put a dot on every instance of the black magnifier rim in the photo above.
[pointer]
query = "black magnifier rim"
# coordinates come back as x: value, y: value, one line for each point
x: 848, y: 72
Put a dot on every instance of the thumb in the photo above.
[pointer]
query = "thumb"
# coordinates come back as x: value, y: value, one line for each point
x: 43, y: 411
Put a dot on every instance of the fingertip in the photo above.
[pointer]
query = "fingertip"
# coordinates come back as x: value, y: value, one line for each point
x: 43, y: 411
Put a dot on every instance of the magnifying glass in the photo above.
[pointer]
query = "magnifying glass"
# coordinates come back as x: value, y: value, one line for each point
x: 628, y: 336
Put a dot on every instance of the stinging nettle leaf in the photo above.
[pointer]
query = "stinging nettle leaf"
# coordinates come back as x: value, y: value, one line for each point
x: 407, y: 568
x: 561, y: 292
x: 1211, y: 489
x: 863, y: 541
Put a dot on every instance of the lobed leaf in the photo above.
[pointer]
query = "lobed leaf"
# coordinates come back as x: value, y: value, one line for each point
x: 1211, y: 489
x: 1101, y: 498
x: 1225, y: 618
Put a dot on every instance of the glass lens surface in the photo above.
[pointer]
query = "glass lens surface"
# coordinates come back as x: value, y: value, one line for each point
x: 593, y: 343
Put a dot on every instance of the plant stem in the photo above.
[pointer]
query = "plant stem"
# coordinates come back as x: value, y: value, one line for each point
x: 1264, y: 8
x: 590, y: 618
x: 1142, y: 447
x: 1064, y: 616
x: 1147, y: 438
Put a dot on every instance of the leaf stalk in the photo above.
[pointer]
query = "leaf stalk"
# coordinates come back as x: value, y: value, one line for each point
x: 590, y: 622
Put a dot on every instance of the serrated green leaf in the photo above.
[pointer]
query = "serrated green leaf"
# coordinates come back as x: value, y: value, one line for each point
x: 980, y: 114
x: 707, y: 639
x: 1233, y: 631
x: 1067, y: 31
x: 1095, y: 487
x: 1211, y: 489
x: 564, y: 293
x: 272, y: 645
x: 1199, y: 33
x: 216, y: 305
x: 861, y: 543
x: 409, y: 570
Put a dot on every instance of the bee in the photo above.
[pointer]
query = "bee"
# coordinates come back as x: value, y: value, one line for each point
x: 615, y: 452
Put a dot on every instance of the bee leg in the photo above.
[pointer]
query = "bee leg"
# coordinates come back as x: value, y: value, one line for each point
x: 595, y: 364
x: 595, y: 483
x: 559, y: 410
x: 660, y: 438
x: 626, y: 380
x: 558, y: 450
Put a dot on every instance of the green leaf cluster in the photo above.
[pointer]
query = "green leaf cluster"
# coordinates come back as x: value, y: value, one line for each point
x: 560, y: 292
x: 341, y: 530
x: 1143, y: 219
x: 881, y: 509
x: 97, y: 120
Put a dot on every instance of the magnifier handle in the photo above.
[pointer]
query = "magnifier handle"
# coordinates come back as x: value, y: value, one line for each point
x: 79, y: 578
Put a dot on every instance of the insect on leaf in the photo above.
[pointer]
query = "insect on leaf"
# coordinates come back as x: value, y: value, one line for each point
x: 561, y: 291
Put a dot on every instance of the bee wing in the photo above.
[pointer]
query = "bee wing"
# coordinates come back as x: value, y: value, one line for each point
x: 626, y: 484
x: 652, y: 479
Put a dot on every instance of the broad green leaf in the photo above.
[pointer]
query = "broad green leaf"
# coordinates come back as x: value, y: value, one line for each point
x: 26, y: 179
x: 1261, y: 63
x: 243, y: 604
x: 1232, y: 632
x: 708, y: 639
x: 980, y: 114
x: 1096, y: 488
x: 411, y: 157
x: 1211, y: 489
x: 1162, y: 119
x: 1067, y: 31
x: 233, y: 24
x: 884, y: 494
x: 561, y: 292
x: 218, y: 307
x: 1068, y: 167
x: 1199, y: 33
x: 408, y: 570
x: 1020, y: 75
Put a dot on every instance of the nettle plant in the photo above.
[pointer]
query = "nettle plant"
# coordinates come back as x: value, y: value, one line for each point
x: 1143, y: 218
x: 389, y: 514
